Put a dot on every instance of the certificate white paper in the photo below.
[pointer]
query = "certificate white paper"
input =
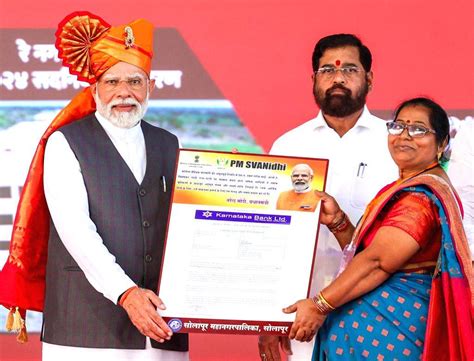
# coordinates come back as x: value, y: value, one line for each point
x: 241, y: 242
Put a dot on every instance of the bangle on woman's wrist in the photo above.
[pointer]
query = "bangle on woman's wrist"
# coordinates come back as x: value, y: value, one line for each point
x: 323, y: 306
x: 339, y: 225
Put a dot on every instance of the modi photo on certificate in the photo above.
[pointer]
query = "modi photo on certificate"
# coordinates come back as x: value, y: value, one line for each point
x: 241, y: 241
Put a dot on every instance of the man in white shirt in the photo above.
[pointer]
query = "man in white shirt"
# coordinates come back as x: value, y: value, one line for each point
x: 105, y: 174
x: 354, y: 141
x: 461, y: 174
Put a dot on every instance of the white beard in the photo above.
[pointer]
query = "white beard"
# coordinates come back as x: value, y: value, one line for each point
x: 122, y: 119
x: 300, y: 188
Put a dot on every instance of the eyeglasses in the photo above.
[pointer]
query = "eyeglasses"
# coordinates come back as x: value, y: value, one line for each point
x: 136, y: 83
x: 414, y: 130
x: 329, y: 72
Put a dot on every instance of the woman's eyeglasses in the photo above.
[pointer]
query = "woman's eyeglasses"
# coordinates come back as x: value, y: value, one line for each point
x: 414, y: 130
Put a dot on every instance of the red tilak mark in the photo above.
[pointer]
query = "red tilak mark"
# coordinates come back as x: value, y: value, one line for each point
x: 338, y: 62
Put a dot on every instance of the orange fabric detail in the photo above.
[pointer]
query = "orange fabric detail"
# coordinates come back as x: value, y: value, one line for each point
x: 112, y: 45
x: 452, y: 205
x: 416, y: 215
x: 292, y: 201
x: 141, y: 50
x: 74, y: 37
x: 23, y: 276
x: 89, y: 46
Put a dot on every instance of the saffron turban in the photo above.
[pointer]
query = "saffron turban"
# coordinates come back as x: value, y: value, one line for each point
x: 89, y: 46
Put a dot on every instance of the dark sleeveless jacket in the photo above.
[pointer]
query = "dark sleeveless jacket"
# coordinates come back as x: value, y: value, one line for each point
x: 131, y: 218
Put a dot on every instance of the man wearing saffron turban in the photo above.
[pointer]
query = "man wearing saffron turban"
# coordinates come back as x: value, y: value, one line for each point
x: 89, y: 231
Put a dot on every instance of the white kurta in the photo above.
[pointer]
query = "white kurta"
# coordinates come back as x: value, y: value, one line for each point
x: 461, y: 173
x: 359, y: 166
x: 70, y: 213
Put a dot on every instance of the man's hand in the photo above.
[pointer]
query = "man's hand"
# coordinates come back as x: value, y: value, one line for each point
x: 268, y: 347
x: 307, y: 321
x: 141, y: 305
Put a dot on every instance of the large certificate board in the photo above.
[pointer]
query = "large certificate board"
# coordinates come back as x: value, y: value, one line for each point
x: 233, y: 258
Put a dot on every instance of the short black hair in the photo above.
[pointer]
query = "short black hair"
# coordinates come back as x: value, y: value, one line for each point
x: 339, y: 41
x: 438, y: 117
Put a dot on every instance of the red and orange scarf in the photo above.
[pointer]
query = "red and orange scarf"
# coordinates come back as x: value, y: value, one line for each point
x: 451, y: 309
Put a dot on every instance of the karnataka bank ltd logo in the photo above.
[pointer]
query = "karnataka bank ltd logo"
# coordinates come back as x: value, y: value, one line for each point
x: 207, y: 214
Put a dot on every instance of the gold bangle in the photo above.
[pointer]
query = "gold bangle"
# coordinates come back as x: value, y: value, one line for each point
x: 326, y: 301
x: 322, y: 305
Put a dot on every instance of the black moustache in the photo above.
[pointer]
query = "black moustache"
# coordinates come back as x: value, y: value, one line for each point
x: 347, y: 91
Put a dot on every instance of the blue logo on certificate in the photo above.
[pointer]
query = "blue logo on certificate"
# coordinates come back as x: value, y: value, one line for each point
x: 175, y: 324
x: 241, y: 217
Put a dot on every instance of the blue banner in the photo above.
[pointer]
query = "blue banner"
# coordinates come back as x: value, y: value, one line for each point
x: 242, y: 217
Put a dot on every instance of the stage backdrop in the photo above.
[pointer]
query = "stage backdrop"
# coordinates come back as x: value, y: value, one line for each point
x: 229, y: 74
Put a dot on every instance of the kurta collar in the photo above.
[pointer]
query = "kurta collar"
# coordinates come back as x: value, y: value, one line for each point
x: 365, y: 120
x: 119, y: 134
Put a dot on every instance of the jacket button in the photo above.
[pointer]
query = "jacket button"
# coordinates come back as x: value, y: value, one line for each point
x: 148, y: 258
x: 146, y: 224
x: 142, y: 192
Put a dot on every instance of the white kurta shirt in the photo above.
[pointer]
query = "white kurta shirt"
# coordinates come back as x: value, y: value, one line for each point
x: 461, y: 173
x: 359, y: 166
x: 70, y: 213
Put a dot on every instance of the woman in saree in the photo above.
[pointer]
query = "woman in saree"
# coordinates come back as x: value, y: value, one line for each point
x: 405, y: 288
